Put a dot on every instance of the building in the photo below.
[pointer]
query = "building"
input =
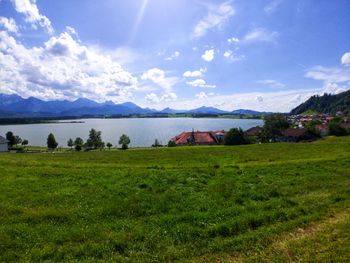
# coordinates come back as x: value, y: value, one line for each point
x: 296, y: 135
x: 253, y: 132
x: 199, y: 138
x: 4, y: 146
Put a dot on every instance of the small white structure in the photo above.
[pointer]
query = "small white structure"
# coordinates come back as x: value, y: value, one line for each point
x: 4, y: 146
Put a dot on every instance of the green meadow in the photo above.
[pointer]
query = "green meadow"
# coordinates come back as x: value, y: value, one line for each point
x: 253, y: 203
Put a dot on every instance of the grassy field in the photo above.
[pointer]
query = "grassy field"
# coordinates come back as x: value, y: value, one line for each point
x: 254, y: 203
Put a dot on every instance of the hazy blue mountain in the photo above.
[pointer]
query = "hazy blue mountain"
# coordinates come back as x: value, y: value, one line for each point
x: 15, y: 106
x: 207, y: 110
x: 249, y: 112
x: 171, y: 111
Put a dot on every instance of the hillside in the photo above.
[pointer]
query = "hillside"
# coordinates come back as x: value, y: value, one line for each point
x: 325, y: 104
x: 280, y: 202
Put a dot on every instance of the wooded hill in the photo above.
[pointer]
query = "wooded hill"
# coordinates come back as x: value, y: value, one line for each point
x: 325, y: 104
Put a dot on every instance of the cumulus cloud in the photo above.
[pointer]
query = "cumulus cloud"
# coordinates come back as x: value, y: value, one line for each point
x: 62, y: 68
x: 233, y: 40
x: 271, y: 83
x: 208, y: 55
x: 261, y: 35
x: 216, y: 18
x: 9, y: 24
x: 32, y: 15
x: 345, y: 59
x: 329, y: 75
x: 201, y: 83
x: 176, y: 54
x: 155, y: 99
x: 157, y: 76
x: 195, y: 74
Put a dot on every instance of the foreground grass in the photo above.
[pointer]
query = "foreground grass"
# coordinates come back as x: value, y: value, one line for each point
x: 244, y: 203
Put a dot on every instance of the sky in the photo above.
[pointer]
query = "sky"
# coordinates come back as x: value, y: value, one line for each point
x: 266, y: 55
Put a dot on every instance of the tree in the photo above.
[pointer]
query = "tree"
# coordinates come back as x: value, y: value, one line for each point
x: 311, y: 127
x: 18, y: 140
x: 109, y: 145
x: 336, y: 129
x: 51, y: 142
x: 274, y: 124
x: 124, y: 141
x: 78, y: 147
x: 78, y: 141
x: 95, y: 140
x: 25, y: 142
x: 171, y: 143
x: 235, y: 137
x: 11, y: 138
x: 70, y: 143
x: 156, y: 143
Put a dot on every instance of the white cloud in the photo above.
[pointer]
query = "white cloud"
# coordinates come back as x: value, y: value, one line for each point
x: 272, y: 6
x: 32, y: 15
x: 216, y: 18
x: 345, y: 59
x: 208, y: 55
x: 9, y: 24
x: 329, y: 75
x: 260, y: 98
x: 176, y: 54
x: 272, y: 83
x: 201, y: 83
x: 261, y: 35
x: 62, y: 69
x: 233, y: 40
x: 167, y: 97
x: 157, y: 76
x: 152, y: 97
x: 203, y: 95
x: 281, y: 101
x: 195, y: 74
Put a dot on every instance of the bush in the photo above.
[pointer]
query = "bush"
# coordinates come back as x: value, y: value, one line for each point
x: 336, y: 129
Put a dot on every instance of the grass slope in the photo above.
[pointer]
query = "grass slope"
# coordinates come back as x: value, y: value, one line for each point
x: 177, y: 204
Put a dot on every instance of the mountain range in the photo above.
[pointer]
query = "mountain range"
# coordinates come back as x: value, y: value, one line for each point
x: 16, y: 106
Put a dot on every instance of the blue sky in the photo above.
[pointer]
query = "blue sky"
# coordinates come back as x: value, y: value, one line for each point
x: 266, y: 55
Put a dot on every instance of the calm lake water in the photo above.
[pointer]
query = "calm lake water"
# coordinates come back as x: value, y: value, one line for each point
x: 142, y: 132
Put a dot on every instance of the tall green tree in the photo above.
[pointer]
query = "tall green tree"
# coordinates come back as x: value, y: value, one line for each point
x: 236, y: 137
x: 124, y: 141
x: 95, y: 140
x: 11, y: 138
x: 109, y: 145
x: 51, y: 142
x: 78, y: 141
x: 70, y: 143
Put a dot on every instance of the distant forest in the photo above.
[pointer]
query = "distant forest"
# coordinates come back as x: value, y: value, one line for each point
x: 327, y: 103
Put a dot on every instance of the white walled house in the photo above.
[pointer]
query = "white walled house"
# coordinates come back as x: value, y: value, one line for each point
x: 4, y: 147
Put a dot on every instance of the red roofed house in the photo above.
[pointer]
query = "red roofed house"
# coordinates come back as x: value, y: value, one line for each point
x: 296, y: 135
x: 254, y: 131
x: 199, y: 138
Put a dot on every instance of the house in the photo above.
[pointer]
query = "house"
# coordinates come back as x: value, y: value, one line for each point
x: 199, y: 138
x: 4, y: 144
x: 253, y: 132
x: 296, y: 135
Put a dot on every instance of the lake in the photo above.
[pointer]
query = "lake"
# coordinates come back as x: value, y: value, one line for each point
x: 142, y: 132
